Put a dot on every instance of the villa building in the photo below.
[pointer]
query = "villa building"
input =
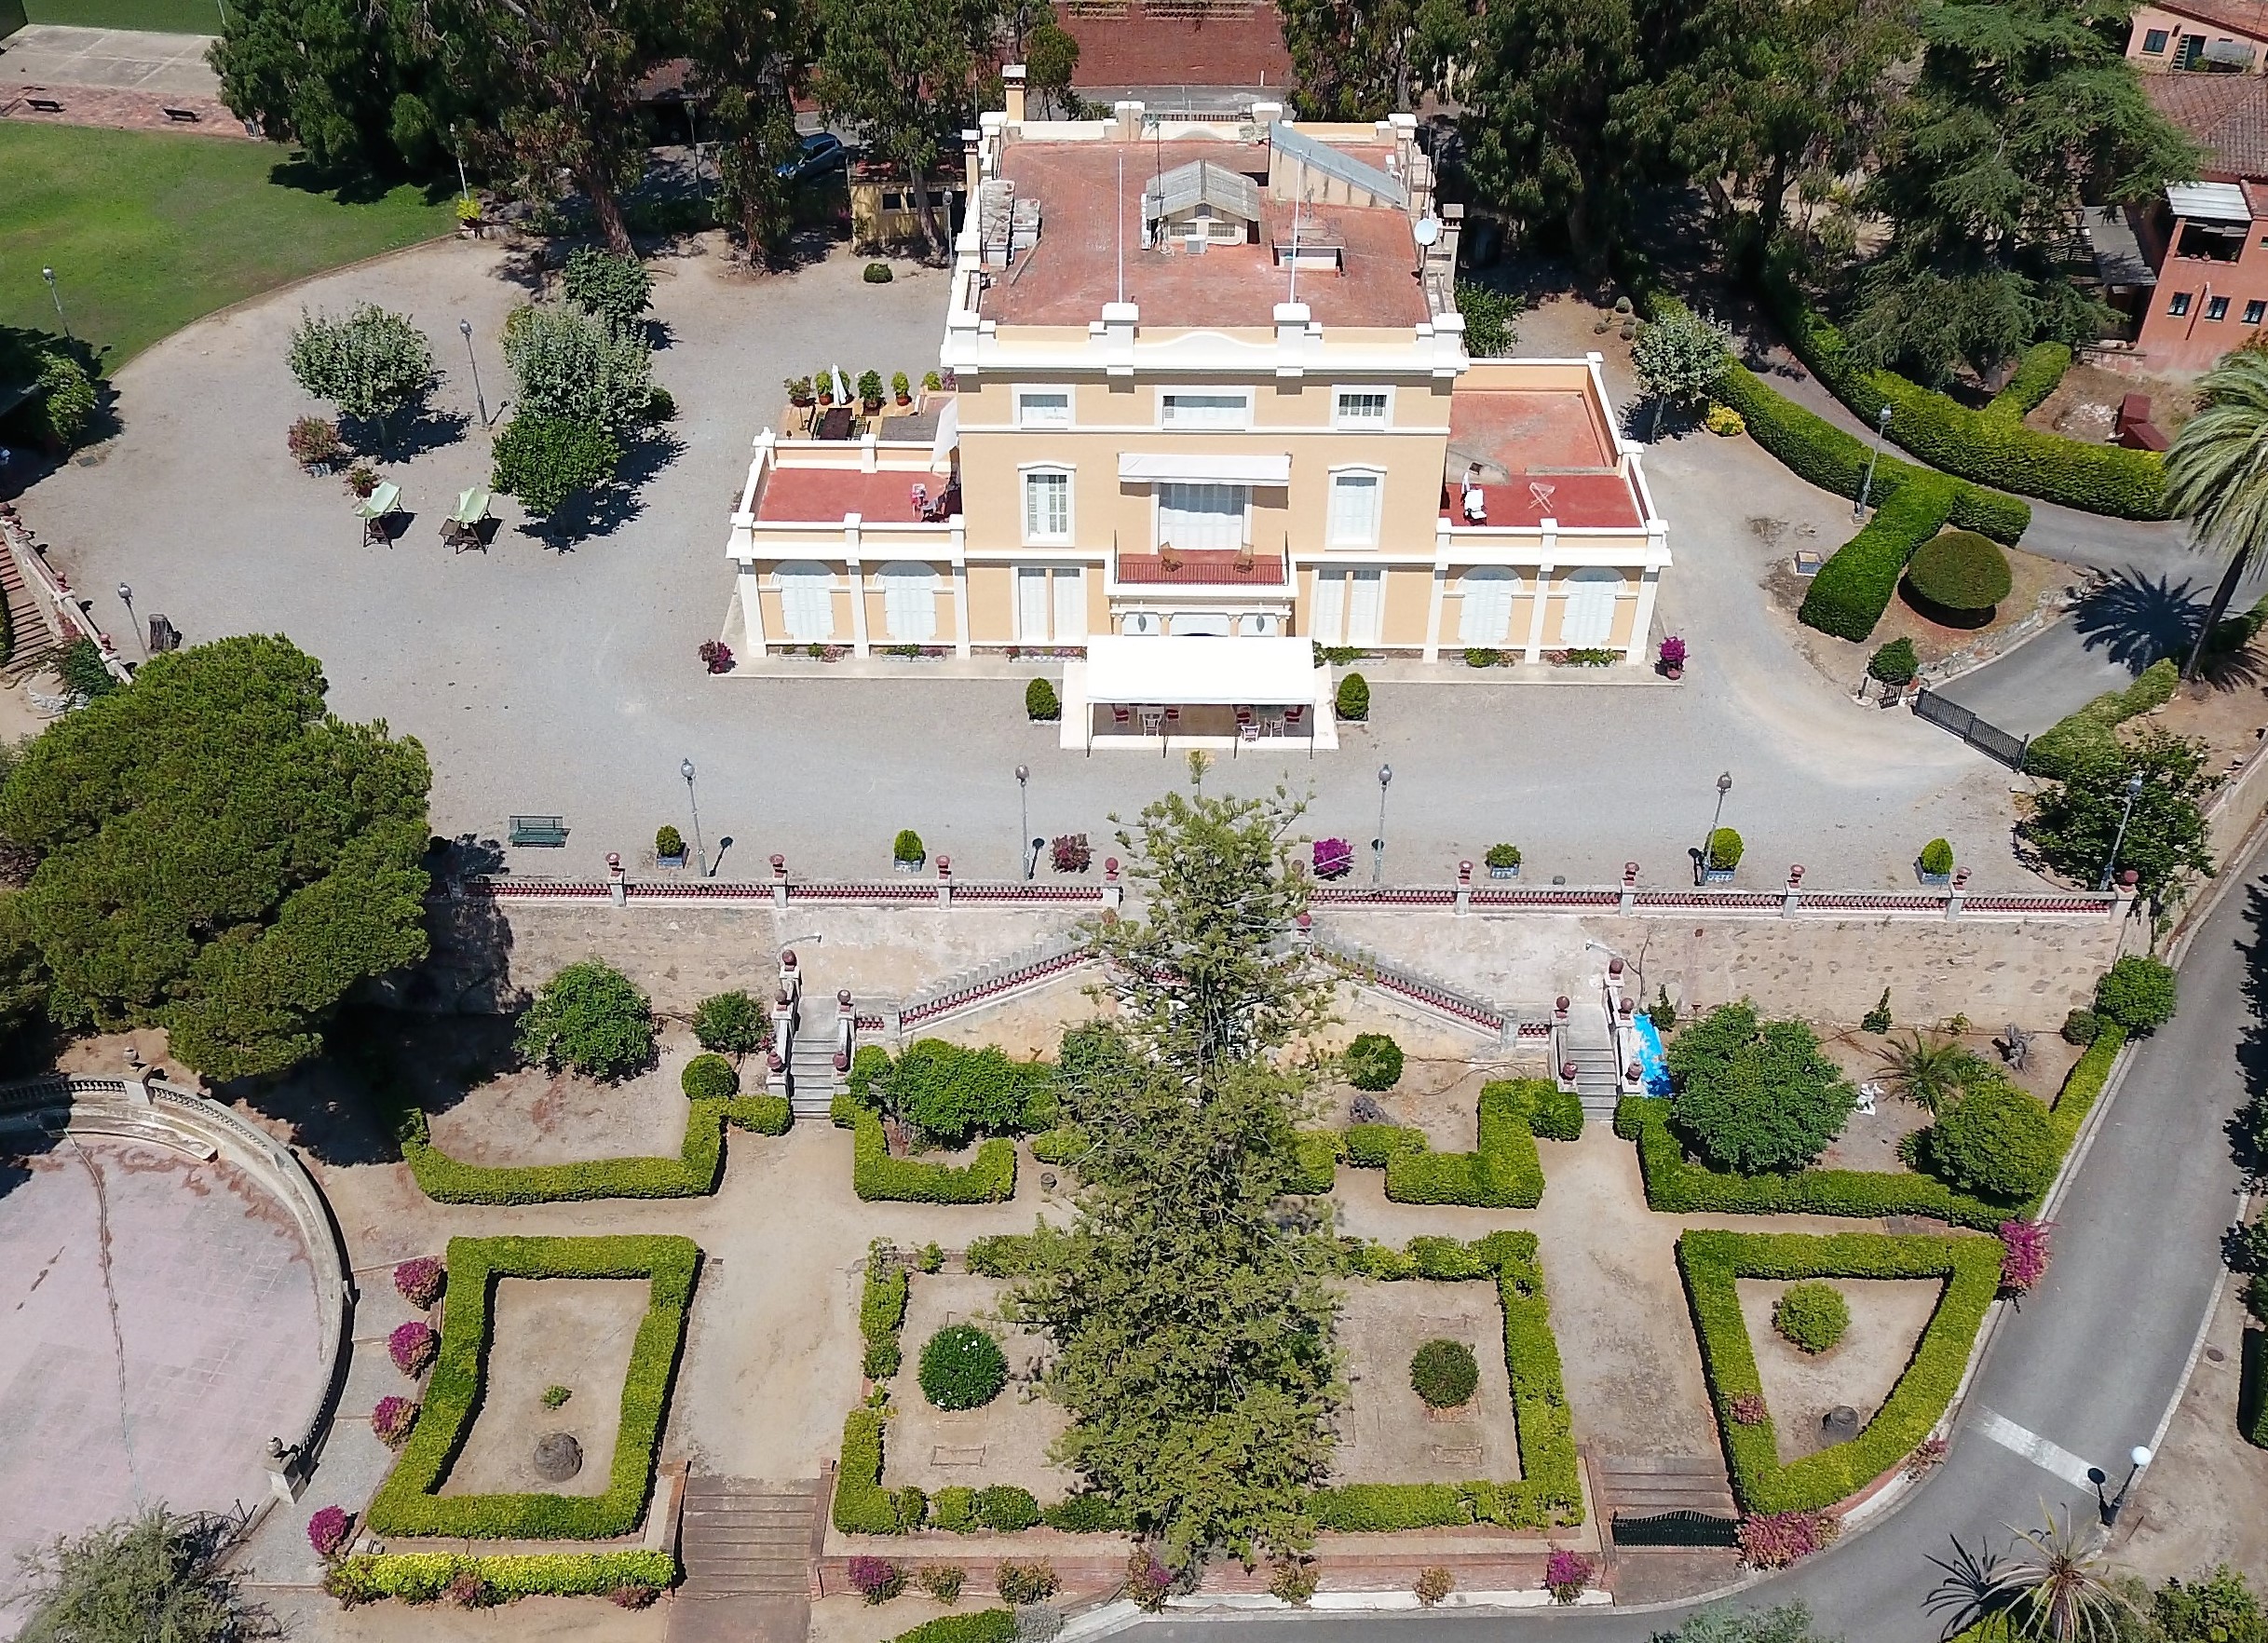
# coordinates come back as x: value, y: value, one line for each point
x: 1208, y: 382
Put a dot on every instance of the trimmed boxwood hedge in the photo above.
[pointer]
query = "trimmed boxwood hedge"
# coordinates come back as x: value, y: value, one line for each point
x: 407, y: 1504
x: 875, y: 1176
x: 881, y: 1312
x: 1548, y: 1494
x: 2060, y: 748
x: 1959, y: 571
x: 1504, y: 1173
x: 1675, y: 1186
x: 861, y: 1506
x: 1712, y: 1262
x: 423, y: 1576
x: 986, y: 1626
x: 1854, y: 587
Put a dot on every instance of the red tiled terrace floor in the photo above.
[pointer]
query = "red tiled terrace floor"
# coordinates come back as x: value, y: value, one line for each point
x: 1579, y: 501
x: 1526, y: 430
x: 1140, y: 50
x: 1196, y: 568
x: 811, y: 495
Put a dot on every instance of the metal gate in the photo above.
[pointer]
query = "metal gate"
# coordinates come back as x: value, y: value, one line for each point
x: 1981, y: 734
x: 1675, y: 1528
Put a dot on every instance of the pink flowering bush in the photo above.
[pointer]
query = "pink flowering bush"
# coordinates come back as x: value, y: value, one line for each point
x: 877, y: 1579
x: 327, y: 1530
x: 391, y: 1421
x: 2024, y: 1254
x: 1567, y: 1574
x: 1334, y: 857
x: 1928, y: 1455
x: 420, y: 1282
x: 1774, y: 1539
x: 411, y: 1346
x: 1748, y: 1409
x: 1148, y: 1581
x: 1673, y: 651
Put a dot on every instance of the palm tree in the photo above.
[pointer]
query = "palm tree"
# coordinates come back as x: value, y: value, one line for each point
x: 2217, y: 476
x: 2058, y: 1586
x: 1927, y: 1074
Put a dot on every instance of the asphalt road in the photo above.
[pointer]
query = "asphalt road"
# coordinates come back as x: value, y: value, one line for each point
x: 2088, y: 1365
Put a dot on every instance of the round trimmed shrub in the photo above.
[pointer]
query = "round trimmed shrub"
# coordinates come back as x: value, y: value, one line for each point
x: 1007, y: 1509
x: 1374, y: 1061
x: 877, y: 273
x: 1997, y: 1142
x: 1811, y: 1316
x: 2136, y: 993
x: 1353, y: 700
x: 1040, y: 703
x: 1959, y: 572
x: 710, y: 1077
x: 2080, y: 1028
x: 1725, y: 849
x: 962, y: 1368
x: 1937, y: 856
x: 1444, y: 1373
x: 732, y: 1024
x: 1895, y: 664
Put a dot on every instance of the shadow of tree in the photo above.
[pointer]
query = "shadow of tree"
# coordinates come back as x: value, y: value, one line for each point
x: 2138, y: 620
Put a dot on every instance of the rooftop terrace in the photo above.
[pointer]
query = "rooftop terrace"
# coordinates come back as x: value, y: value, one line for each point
x: 1543, y: 453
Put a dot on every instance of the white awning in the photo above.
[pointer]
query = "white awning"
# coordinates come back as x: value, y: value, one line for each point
x: 2223, y: 202
x: 1200, y: 468
x: 948, y: 436
x: 1213, y: 672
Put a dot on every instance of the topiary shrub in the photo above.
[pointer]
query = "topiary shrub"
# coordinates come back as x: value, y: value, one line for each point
x: 2079, y: 1027
x: 1937, y: 856
x: 1811, y: 1316
x: 1444, y: 1373
x: 591, y: 1017
x: 1961, y: 575
x: 732, y: 1024
x: 2137, y: 993
x: 1007, y: 1509
x: 877, y: 273
x: 962, y: 1368
x: 710, y: 1077
x: 1725, y: 849
x: 1374, y: 1061
x: 1895, y: 664
x: 1353, y: 700
x: 1997, y: 1142
x: 907, y: 848
x: 1040, y: 703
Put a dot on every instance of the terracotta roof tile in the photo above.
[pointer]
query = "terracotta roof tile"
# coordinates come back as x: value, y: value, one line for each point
x: 2225, y: 115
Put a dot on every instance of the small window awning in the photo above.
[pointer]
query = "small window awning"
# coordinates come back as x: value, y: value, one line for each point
x: 2223, y: 202
x: 1260, y: 469
x: 1184, y: 671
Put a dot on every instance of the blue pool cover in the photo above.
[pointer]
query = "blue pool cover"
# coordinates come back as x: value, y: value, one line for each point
x: 1650, y: 1060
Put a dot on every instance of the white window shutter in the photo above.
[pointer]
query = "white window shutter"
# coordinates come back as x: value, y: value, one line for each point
x: 1031, y: 605
x: 1365, y: 599
x: 1070, y: 604
x: 1328, y: 619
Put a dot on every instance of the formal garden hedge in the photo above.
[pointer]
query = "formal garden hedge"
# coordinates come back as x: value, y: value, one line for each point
x: 875, y: 1176
x: 982, y: 1626
x: 1711, y: 1264
x: 408, y: 1503
x: 1675, y: 1184
x: 864, y: 1507
x: 1549, y: 1494
x: 2066, y: 745
x: 421, y: 1577
x: 1505, y: 1172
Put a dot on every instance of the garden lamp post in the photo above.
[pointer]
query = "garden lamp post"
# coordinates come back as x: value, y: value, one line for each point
x: 1023, y: 808
x: 1724, y: 786
x: 1377, y: 844
x: 57, y: 297
x: 1881, y: 431
x: 125, y: 597
x: 2137, y: 1458
x: 464, y: 327
x: 700, y: 849
x: 2133, y: 791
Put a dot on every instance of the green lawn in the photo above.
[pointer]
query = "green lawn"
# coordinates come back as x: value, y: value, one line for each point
x: 146, y: 231
x: 165, y: 17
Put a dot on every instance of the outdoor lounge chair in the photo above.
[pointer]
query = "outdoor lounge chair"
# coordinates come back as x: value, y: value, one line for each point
x: 462, y: 529
x: 374, y: 510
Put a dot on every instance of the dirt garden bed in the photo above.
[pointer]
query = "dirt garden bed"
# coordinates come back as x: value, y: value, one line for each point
x: 487, y: 1109
x: 1386, y: 1433
x: 570, y: 1332
x: 1887, y: 1318
x: 1004, y: 1442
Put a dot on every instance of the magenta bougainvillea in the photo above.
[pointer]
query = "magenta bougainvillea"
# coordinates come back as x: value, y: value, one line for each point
x: 1334, y: 857
x: 411, y: 1346
x: 392, y: 1418
x: 2024, y: 1254
x: 1774, y: 1539
x: 877, y: 1579
x: 420, y: 1282
x: 1748, y: 1409
x: 1566, y: 1575
x: 327, y: 1530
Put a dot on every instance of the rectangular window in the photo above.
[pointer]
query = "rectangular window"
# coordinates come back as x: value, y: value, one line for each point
x: 2216, y: 308
x: 1047, y: 507
x: 1361, y: 408
x: 2180, y: 305
x: 2154, y: 41
x: 892, y: 200
x: 2255, y: 311
x: 1354, y: 509
x: 1043, y: 407
x: 1198, y: 517
x: 1204, y: 409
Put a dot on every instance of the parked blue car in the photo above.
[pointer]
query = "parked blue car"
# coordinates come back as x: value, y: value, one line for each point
x: 821, y: 152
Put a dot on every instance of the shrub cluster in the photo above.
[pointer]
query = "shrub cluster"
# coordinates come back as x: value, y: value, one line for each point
x: 962, y: 1367
x: 591, y: 1017
x: 2069, y: 743
x: 1444, y: 1373
x: 1997, y: 1142
x: 875, y: 1176
x: 987, y: 1626
x: 948, y: 1091
x: 1959, y: 572
x: 420, y: 1577
x: 732, y: 1024
x: 709, y: 1076
x: 1504, y: 1173
x: 419, y: 1281
x: 1775, y: 1540
x: 1374, y: 1061
x: 2136, y: 993
x: 1027, y: 1582
x: 881, y: 1312
x: 1757, y: 1096
x: 408, y: 1504
x: 1713, y: 1262
x: 1811, y: 1316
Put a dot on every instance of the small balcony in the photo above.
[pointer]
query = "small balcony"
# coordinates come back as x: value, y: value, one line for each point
x: 1207, y: 568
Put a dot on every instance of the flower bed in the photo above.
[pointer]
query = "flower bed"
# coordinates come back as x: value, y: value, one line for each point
x: 408, y: 1503
x: 420, y: 1577
x: 1711, y: 1264
x: 1504, y: 1172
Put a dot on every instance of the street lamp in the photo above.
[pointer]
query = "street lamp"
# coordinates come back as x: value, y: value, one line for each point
x: 1724, y: 786
x: 1023, y: 807
x: 1377, y: 844
x: 125, y: 597
x: 49, y: 275
x: 2138, y: 1456
x: 685, y: 769
x: 2133, y: 791
x: 1881, y: 430
x: 464, y: 329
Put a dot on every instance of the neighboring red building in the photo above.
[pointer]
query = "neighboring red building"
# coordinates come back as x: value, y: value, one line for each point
x: 2212, y: 34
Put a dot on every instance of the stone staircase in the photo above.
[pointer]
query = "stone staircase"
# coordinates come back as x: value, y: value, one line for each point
x: 1596, y: 1080
x: 741, y: 1539
x: 811, y: 1081
x: 31, y: 642
x: 1664, y: 1499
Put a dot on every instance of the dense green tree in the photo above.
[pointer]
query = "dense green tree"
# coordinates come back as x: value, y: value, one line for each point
x: 547, y: 461
x: 1758, y: 1097
x: 609, y: 286
x: 2074, y: 825
x: 750, y: 61
x: 591, y: 1017
x: 2217, y: 478
x: 2137, y: 992
x: 158, y: 1576
x: 1680, y: 358
x: 2020, y: 105
x: 57, y: 414
x: 1050, y: 57
x: 343, y: 79
x: 1361, y: 60
x: 732, y: 1023
x: 370, y: 363
x: 579, y: 367
x: 218, y: 856
x: 1995, y: 1140
x: 949, y: 1092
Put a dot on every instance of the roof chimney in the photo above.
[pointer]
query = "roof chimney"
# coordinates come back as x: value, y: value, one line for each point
x: 1011, y: 80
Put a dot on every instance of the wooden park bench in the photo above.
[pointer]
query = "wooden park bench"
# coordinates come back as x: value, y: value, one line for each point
x: 546, y: 831
x: 44, y: 104
x: 181, y: 117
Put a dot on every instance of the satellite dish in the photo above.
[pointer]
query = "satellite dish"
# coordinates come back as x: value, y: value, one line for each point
x: 1426, y: 230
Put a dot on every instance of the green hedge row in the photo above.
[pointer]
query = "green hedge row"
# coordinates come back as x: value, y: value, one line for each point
x: 1549, y: 1494
x: 420, y: 1577
x: 875, y: 1176
x: 1711, y: 1262
x: 881, y: 1312
x: 1992, y: 447
x: 864, y: 1507
x: 1852, y: 589
x: 2057, y: 749
x: 861, y: 1506
x: 1504, y: 1173
x: 407, y: 1504
x: 1059, y: 1145
x: 986, y: 1626
x: 2037, y: 374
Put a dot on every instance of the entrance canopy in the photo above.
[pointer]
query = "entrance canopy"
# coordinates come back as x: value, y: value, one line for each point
x: 1201, y: 671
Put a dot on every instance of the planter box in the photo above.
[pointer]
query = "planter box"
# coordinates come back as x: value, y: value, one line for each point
x: 1510, y: 872
x: 677, y: 861
x: 1717, y: 875
x: 907, y: 866
x: 1938, y: 880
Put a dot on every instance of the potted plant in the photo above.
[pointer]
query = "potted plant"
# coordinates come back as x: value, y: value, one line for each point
x: 931, y: 382
x: 468, y: 222
x: 1071, y: 853
x: 798, y: 392
x: 1673, y: 656
x: 314, y: 443
x: 1935, y: 864
x: 902, y: 389
x: 822, y: 383
x: 870, y: 390
x: 716, y: 656
x: 1504, y: 860
x: 361, y: 479
x: 1893, y: 666
x: 905, y: 853
x: 1334, y: 857
x: 1723, y: 855
x: 669, y: 847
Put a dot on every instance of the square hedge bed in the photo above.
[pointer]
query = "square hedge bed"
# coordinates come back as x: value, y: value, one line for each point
x: 1713, y: 1262
x: 408, y: 1503
x: 1504, y: 1173
x: 875, y: 1176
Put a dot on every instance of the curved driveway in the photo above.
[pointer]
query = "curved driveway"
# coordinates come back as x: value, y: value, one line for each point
x: 2089, y: 1364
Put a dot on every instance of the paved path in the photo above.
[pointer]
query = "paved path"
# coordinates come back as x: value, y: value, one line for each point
x: 128, y: 60
x: 2080, y: 1376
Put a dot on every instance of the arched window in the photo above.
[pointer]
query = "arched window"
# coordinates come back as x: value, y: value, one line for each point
x: 1485, y: 604
x: 1589, y: 616
x: 807, y: 601
x: 909, y: 601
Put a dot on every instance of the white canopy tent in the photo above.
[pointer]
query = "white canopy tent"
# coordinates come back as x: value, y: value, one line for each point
x: 1186, y: 672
